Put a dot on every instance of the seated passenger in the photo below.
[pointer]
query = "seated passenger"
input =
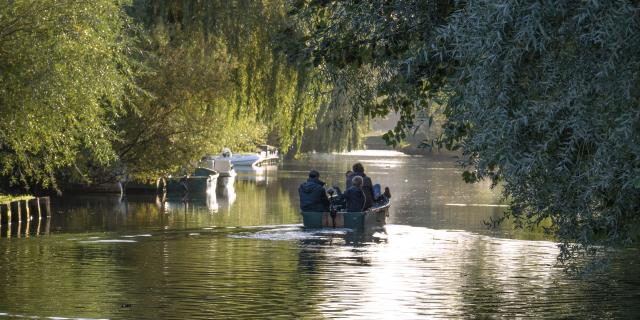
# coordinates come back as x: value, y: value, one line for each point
x: 367, y: 185
x: 313, y: 197
x: 354, y: 196
x: 387, y: 193
x: 380, y: 198
x: 377, y: 192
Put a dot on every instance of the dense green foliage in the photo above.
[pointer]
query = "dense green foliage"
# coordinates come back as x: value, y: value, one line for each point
x: 540, y: 96
x: 184, y: 111
x: 378, y: 48
x: 132, y: 90
x: 63, y: 72
x: 214, y: 76
x: 339, y: 124
x: 553, y: 112
x: 209, y: 83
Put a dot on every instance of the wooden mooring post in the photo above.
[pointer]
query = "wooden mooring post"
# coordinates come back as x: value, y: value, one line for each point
x: 19, y: 211
x: 16, y: 213
x: 5, y: 213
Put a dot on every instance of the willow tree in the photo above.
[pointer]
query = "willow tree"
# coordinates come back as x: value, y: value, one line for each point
x: 339, y: 123
x: 547, y: 103
x: 376, y: 43
x: 63, y: 71
x: 214, y: 79
x: 540, y: 96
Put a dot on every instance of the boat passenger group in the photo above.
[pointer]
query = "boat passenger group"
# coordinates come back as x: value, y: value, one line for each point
x: 360, y: 194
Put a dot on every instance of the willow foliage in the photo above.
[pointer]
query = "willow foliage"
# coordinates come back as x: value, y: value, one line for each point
x: 216, y: 79
x: 376, y: 41
x: 540, y: 96
x: 546, y: 101
x: 63, y: 72
x: 111, y: 90
x: 181, y: 113
x: 339, y: 123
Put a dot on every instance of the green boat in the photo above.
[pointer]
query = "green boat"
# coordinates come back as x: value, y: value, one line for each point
x: 374, y: 218
x: 202, y: 180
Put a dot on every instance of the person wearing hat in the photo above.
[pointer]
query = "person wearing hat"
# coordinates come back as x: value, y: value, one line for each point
x: 313, y: 196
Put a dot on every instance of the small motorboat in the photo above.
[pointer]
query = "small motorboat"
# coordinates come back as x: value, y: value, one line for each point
x: 245, y: 160
x: 372, y: 219
x: 222, y: 164
x: 202, y: 180
x: 266, y: 155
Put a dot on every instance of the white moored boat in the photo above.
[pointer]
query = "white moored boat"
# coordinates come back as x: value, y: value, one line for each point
x: 266, y: 155
x: 245, y: 160
x: 222, y: 165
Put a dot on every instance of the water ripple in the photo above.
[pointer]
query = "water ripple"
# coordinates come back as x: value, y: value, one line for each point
x: 288, y: 272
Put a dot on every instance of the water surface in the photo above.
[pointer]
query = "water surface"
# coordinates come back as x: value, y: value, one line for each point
x: 242, y: 253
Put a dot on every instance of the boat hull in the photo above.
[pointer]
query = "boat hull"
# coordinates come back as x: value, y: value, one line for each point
x: 253, y: 160
x: 245, y: 160
x: 192, y: 185
x: 372, y: 219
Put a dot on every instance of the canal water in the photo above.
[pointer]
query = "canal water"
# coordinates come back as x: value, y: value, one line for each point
x: 242, y: 253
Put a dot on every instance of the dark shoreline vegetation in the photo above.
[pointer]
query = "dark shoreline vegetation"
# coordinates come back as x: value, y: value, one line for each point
x: 540, y: 97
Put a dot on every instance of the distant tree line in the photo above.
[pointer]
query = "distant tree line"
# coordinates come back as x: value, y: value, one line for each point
x: 540, y: 97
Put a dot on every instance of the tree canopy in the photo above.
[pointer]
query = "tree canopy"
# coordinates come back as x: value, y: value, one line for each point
x: 541, y: 97
x: 134, y: 90
x: 63, y: 73
x: 214, y: 80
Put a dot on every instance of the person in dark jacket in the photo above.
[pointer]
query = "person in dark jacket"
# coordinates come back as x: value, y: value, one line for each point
x: 313, y: 197
x: 354, y: 197
x: 348, y: 176
x: 367, y: 184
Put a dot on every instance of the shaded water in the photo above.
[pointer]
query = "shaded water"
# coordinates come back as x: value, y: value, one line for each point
x: 242, y: 253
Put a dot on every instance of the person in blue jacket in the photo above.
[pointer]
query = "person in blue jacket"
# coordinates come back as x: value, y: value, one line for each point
x: 313, y: 196
x: 354, y: 197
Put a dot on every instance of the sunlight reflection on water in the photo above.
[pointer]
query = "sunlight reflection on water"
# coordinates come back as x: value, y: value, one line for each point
x: 420, y: 272
x: 374, y: 153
